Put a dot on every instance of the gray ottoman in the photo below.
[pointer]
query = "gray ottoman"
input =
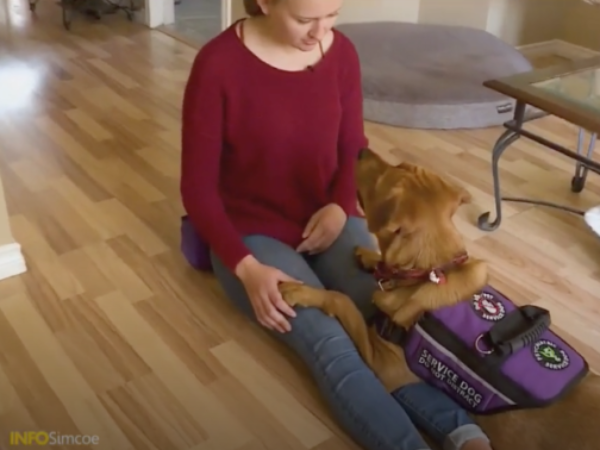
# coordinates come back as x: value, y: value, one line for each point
x: 430, y: 76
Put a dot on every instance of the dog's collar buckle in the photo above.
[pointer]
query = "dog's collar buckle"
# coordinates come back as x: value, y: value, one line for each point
x: 386, y: 277
x: 437, y: 276
x: 386, y: 285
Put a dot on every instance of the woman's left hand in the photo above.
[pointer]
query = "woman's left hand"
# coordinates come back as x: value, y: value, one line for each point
x: 323, y: 229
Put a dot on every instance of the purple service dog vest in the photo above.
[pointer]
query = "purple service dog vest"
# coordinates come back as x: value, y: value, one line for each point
x: 490, y: 355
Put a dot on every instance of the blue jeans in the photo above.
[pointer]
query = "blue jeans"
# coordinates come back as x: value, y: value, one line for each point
x: 374, y: 418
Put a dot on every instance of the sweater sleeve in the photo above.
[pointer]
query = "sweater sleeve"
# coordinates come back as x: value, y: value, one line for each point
x: 202, y: 141
x: 352, y: 136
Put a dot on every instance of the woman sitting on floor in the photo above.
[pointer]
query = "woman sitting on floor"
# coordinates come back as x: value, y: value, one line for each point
x: 272, y: 126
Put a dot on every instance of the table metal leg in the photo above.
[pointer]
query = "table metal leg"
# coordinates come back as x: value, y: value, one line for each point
x: 515, y: 129
x: 581, y: 170
x: 505, y: 141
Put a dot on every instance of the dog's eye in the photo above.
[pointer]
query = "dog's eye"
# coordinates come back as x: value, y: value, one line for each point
x: 398, y: 231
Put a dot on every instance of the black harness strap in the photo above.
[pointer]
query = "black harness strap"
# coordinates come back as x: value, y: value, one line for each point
x: 387, y: 329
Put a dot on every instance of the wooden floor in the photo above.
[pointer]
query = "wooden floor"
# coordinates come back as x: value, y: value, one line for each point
x: 109, y: 333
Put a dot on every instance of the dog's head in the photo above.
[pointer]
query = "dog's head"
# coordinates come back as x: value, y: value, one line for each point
x: 410, y: 211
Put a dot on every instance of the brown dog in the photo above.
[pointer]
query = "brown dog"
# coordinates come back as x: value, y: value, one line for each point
x: 410, y: 211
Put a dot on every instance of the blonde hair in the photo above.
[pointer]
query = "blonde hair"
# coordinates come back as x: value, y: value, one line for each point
x: 253, y: 9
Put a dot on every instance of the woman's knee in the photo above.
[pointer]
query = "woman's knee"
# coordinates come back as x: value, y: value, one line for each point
x: 320, y: 339
x: 270, y: 252
x: 339, y: 270
x: 312, y: 330
x: 354, y: 234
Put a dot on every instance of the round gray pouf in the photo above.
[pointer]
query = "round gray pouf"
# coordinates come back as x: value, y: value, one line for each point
x: 431, y: 76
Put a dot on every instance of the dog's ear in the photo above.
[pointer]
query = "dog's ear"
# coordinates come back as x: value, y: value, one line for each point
x: 381, y: 215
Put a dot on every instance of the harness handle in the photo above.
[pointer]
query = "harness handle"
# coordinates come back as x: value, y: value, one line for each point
x: 520, y: 328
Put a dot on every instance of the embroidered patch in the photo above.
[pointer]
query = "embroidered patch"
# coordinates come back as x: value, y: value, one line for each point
x: 488, y: 308
x: 550, y: 356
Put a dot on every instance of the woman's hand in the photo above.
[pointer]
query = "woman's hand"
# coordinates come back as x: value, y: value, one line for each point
x: 323, y: 229
x: 261, y: 283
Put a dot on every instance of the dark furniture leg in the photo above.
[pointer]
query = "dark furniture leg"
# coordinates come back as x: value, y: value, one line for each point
x: 505, y: 141
x: 514, y: 131
x: 581, y: 170
x: 92, y: 8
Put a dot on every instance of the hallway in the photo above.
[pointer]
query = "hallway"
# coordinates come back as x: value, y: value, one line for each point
x: 196, y: 21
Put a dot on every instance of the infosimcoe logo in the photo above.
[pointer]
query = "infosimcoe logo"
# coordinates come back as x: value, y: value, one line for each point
x: 51, y: 438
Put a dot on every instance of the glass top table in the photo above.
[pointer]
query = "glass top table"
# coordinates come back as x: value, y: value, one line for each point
x: 570, y: 91
x: 581, y: 87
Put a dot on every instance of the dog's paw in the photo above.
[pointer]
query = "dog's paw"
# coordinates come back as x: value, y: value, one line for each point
x: 296, y: 294
x: 385, y: 300
x: 406, y: 318
x: 367, y: 259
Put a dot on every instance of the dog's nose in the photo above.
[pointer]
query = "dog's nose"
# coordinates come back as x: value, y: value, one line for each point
x: 363, y: 153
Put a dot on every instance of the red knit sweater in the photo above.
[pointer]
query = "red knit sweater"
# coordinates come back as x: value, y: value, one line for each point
x: 263, y: 149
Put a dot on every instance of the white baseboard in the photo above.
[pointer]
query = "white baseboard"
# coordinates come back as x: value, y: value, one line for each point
x: 557, y: 47
x: 12, y: 261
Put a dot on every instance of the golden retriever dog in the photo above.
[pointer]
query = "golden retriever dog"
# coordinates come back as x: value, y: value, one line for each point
x: 410, y: 212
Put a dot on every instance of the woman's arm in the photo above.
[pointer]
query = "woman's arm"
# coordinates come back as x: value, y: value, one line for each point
x: 352, y: 136
x: 202, y: 142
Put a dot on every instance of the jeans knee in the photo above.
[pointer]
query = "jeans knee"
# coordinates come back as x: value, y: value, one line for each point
x: 320, y: 337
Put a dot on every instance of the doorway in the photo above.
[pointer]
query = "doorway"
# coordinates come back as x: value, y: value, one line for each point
x: 196, y: 21
x: 158, y: 12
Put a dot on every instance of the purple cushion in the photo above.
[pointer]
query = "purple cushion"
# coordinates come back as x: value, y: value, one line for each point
x: 195, y: 250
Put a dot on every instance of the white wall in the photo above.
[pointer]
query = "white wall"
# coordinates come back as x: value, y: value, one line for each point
x: 517, y: 22
x: 236, y: 10
x: 159, y: 12
x: 470, y: 13
x: 354, y: 11
x: 581, y: 25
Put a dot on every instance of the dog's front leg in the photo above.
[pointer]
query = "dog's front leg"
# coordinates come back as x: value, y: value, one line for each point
x: 408, y: 315
x: 388, y: 301
x: 336, y: 305
x: 296, y: 294
x: 367, y: 259
x: 400, y: 305
x: 424, y: 297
